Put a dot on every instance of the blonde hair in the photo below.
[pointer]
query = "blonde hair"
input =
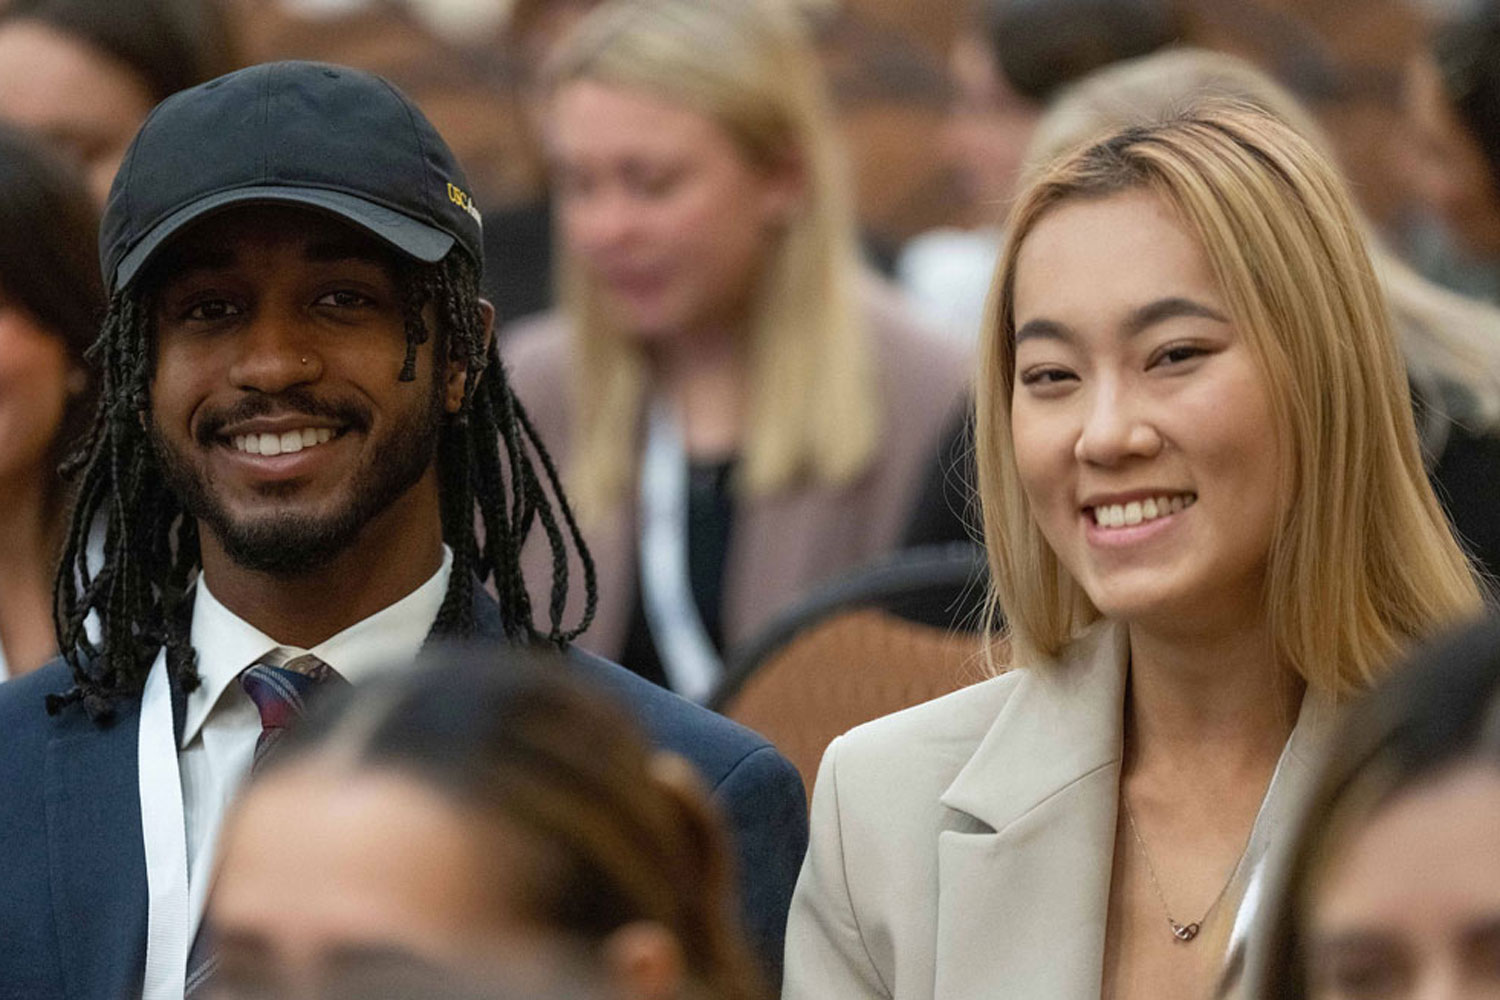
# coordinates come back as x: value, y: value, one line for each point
x: 747, y: 66
x: 1451, y: 342
x: 1362, y: 559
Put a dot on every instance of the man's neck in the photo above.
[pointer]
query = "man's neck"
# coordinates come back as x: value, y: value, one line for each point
x: 382, y: 566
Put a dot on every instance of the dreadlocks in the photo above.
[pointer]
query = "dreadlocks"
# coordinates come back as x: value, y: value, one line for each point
x: 140, y: 591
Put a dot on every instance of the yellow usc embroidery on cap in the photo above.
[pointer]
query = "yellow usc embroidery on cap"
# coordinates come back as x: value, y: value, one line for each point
x: 461, y: 198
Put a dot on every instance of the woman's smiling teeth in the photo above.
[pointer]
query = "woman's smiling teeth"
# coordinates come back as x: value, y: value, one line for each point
x: 278, y: 444
x: 1122, y: 515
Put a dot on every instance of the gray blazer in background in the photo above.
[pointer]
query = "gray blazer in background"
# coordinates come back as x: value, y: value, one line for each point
x: 783, y: 544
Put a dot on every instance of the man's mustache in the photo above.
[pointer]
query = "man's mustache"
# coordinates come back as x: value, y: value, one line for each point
x: 295, y: 400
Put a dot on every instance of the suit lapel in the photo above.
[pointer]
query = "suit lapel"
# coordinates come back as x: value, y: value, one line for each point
x: 1023, y: 894
x: 98, y: 865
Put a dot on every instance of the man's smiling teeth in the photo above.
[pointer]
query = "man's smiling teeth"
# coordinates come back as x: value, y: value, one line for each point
x: 278, y: 444
x: 1120, y: 515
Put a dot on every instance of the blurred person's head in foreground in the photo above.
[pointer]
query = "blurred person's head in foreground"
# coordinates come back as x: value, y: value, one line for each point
x: 1294, y: 460
x: 1453, y: 99
x: 1392, y: 888
x: 1451, y: 344
x: 50, y: 303
x: 87, y: 72
x: 703, y: 207
x: 491, y: 820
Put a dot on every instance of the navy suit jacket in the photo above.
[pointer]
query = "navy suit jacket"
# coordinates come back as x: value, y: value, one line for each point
x: 73, y: 869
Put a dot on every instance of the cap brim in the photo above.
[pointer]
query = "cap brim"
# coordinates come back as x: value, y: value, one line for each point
x: 404, y: 234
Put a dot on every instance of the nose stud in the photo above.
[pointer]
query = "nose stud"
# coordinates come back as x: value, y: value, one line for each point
x: 304, y: 361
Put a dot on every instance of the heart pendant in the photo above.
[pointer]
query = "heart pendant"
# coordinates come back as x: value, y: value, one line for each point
x: 1183, y: 932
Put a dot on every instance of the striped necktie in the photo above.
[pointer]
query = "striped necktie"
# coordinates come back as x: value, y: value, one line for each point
x: 281, y: 686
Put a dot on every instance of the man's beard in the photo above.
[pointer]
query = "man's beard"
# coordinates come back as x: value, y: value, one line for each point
x: 289, y: 544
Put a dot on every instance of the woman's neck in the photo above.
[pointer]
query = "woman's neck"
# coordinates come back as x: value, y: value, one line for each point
x: 1221, y: 703
x: 703, y: 378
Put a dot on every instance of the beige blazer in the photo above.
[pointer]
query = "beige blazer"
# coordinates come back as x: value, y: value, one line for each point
x: 783, y: 544
x: 962, y: 849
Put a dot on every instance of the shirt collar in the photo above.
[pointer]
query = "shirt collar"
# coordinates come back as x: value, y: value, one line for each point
x: 226, y: 644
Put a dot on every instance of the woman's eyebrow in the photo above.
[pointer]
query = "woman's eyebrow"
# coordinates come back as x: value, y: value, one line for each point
x: 1172, y: 307
x: 1140, y: 319
x: 1043, y: 329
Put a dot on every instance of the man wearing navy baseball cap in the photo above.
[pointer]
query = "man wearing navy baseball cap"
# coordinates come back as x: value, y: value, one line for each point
x: 303, y: 418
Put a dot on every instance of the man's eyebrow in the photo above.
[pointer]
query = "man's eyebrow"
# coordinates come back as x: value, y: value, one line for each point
x: 181, y: 262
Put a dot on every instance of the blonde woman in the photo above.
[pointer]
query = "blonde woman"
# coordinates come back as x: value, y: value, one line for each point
x: 1207, y: 521
x: 740, y: 411
x: 1451, y: 343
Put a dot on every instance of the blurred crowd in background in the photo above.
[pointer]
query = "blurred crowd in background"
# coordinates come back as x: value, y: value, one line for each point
x: 934, y: 107
x: 839, y: 440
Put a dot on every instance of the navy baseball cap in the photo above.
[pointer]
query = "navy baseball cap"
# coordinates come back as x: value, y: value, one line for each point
x: 330, y: 138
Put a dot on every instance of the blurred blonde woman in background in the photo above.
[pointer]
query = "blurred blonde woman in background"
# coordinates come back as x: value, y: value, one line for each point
x: 1207, y: 521
x: 1451, y: 343
x: 740, y: 410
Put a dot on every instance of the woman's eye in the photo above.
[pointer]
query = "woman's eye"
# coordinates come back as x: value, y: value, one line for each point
x: 1043, y: 377
x: 1177, y: 354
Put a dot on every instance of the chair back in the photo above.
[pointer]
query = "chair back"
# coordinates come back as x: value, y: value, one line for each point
x: 882, y: 639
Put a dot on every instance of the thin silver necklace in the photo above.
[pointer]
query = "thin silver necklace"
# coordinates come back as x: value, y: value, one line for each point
x: 1182, y: 932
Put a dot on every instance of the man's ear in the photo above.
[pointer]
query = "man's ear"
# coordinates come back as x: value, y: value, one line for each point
x: 644, y: 962
x: 458, y: 374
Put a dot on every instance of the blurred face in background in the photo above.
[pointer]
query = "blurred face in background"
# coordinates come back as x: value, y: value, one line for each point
x: 661, y: 211
x: 987, y: 130
x: 1408, y: 905
x: 83, y: 99
x: 1449, y: 171
x: 34, y: 377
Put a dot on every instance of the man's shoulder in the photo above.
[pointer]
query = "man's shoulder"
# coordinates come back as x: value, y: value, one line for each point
x: 23, y: 701
x: 715, y: 744
x: 26, y: 727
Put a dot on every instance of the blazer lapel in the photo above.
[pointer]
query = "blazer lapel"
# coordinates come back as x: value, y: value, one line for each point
x: 1023, y: 895
x: 98, y: 865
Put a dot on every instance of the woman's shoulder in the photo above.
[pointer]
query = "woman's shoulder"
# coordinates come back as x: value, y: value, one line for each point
x: 922, y: 746
x: 928, y: 744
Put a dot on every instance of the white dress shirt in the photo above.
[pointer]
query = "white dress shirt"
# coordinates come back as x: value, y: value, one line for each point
x: 222, y: 723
